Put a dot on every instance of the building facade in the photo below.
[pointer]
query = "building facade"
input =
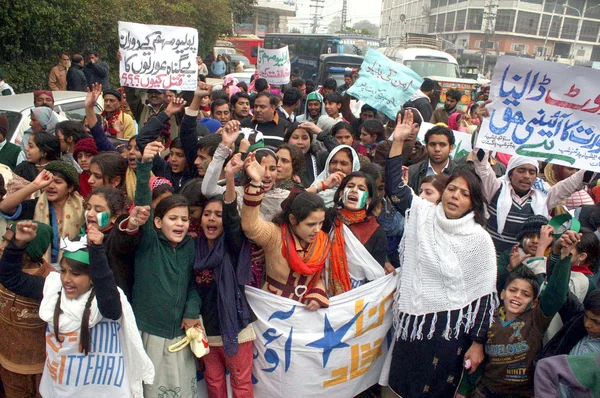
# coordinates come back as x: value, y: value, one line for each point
x: 477, y: 31
x: 270, y: 16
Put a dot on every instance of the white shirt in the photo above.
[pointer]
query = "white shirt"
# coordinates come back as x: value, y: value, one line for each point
x: 431, y: 171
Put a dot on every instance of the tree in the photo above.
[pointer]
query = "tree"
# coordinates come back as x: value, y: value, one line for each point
x: 366, y: 27
x: 335, y: 25
x: 242, y: 9
x: 295, y: 30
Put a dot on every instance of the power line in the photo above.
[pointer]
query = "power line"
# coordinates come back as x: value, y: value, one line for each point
x: 318, y: 6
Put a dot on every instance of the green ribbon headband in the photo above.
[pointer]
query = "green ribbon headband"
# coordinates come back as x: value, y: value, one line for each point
x: 79, y: 255
x: 563, y: 223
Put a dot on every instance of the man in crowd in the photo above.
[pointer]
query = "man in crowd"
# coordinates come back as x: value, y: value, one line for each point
x: 329, y: 86
x: 300, y: 84
x: 76, y: 80
x: 366, y: 112
x: 9, y: 153
x: 202, y: 69
x: 348, y: 82
x: 333, y: 105
x: 116, y: 123
x: 142, y: 112
x: 267, y: 120
x: 221, y: 110
x: 442, y: 115
x: 240, y: 103
x: 57, y: 81
x: 314, y: 108
x: 291, y: 99
x: 218, y: 67
x: 439, y: 142
x: 96, y: 71
x: 421, y: 100
x: 5, y: 88
x: 43, y: 98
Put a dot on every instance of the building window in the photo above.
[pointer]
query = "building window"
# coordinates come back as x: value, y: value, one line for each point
x: 532, y: 1
x: 432, y: 22
x: 539, y: 51
x: 461, y: 18
x: 552, y: 5
x: 505, y: 20
x: 443, y: 3
x: 577, y: 4
x: 554, y: 30
x: 519, y: 48
x: 589, y: 31
x: 592, y: 11
x: 434, y: 3
x: 527, y: 23
x: 439, y: 27
x: 581, y: 53
x: 475, y: 19
x: 569, y: 29
x: 481, y: 44
x: 450, y: 2
x: 450, y: 22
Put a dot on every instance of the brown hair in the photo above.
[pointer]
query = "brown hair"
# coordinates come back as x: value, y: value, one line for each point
x: 439, y: 182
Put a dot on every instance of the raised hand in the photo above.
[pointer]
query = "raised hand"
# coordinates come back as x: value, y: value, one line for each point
x: 152, y: 149
x: 138, y: 217
x: 405, y: 128
x: 203, y: 89
x: 546, y: 238
x: 516, y: 258
x: 234, y: 165
x: 253, y: 169
x: 119, y: 128
x: 94, y: 236
x: 92, y: 95
x: 483, y: 111
x: 334, y: 179
x: 175, y: 106
x: 43, y: 179
x: 567, y: 242
x: 26, y: 231
x: 230, y: 132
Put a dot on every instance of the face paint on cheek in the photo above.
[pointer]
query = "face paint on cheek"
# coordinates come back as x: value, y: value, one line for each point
x: 103, y: 219
x: 525, y: 242
x: 362, y: 198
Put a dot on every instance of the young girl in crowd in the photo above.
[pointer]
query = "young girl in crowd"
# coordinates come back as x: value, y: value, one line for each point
x: 290, y: 163
x: 222, y: 269
x: 165, y: 297
x: 314, y: 160
x: 192, y: 191
x: 69, y: 132
x: 22, y: 343
x: 43, y: 119
x: 372, y: 133
x: 59, y: 205
x: 80, y: 304
x: 432, y: 187
x: 295, y: 247
x: 354, y: 202
x: 41, y: 149
x: 133, y: 154
x: 85, y: 150
x: 446, y: 295
x: 108, y: 168
x: 161, y: 188
x: 342, y: 161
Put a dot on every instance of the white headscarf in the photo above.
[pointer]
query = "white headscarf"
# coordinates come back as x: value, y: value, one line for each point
x: 538, y: 198
x: 328, y: 194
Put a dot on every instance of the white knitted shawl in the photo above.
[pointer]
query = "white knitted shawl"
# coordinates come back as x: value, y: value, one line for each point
x: 446, y: 265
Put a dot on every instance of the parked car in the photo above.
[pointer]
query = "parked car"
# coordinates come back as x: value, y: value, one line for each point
x: 17, y: 109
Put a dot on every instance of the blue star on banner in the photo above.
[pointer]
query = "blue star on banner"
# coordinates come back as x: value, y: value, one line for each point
x: 332, y: 339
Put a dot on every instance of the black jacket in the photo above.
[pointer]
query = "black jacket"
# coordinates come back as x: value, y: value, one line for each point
x: 423, y: 105
x: 417, y: 172
x: 76, y: 80
x: 97, y: 73
x: 273, y: 132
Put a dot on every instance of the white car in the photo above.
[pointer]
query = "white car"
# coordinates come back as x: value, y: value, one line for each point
x: 17, y: 109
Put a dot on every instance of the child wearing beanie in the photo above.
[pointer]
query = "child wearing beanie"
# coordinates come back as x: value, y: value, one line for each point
x: 85, y: 150
x: 534, y: 239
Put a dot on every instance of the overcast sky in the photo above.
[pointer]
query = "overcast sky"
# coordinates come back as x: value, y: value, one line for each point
x: 358, y: 10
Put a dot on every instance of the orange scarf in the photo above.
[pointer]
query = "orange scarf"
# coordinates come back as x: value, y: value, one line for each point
x: 313, y: 261
x: 339, y: 278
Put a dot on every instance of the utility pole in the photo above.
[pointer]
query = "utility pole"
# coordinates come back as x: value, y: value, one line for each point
x: 489, y: 24
x: 318, y: 6
x: 344, y: 16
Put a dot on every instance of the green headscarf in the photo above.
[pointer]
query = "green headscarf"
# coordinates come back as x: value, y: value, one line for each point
x: 39, y: 245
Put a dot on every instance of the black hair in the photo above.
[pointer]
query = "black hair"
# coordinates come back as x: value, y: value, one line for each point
x: 70, y: 129
x: 275, y: 99
x: 291, y: 96
x: 374, y: 127
x: 210, y: 143
x: 192, y: 191
x: 330, y: 83
x: 202, y: 78
x: 261, y: 84
x: 371, y: 187
x: 427, y: 85
x: 341, y: 126
x: 310, y: 86
x: 113, y: 197
x: 161, y: 190
x: 333, y: 97
x: 112, y: 165
x: 93, y: 52
x: 219, y: 94
x: 374, y: 170
x: 236, y: 97
x: 440, y: 130
x: 264, y: 94
x: 300, y: 205
x: 243, y: 86
x: 84, y: 335
x: 296, y: 156
x: 592, y: 302
x: 176, y: 143
x: 348, y: 74
x: 525, y: 274
x: 454, y: 94
x: 290, y: 130
x: 168, y: 203
x: 219, y: 102
x: 474, y: 183
x: 76, y: 58
x: 367, y: 108
x: 297, y: 83
x: 439, y: 182
x: 590, y: 245
x: 47, y: 143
